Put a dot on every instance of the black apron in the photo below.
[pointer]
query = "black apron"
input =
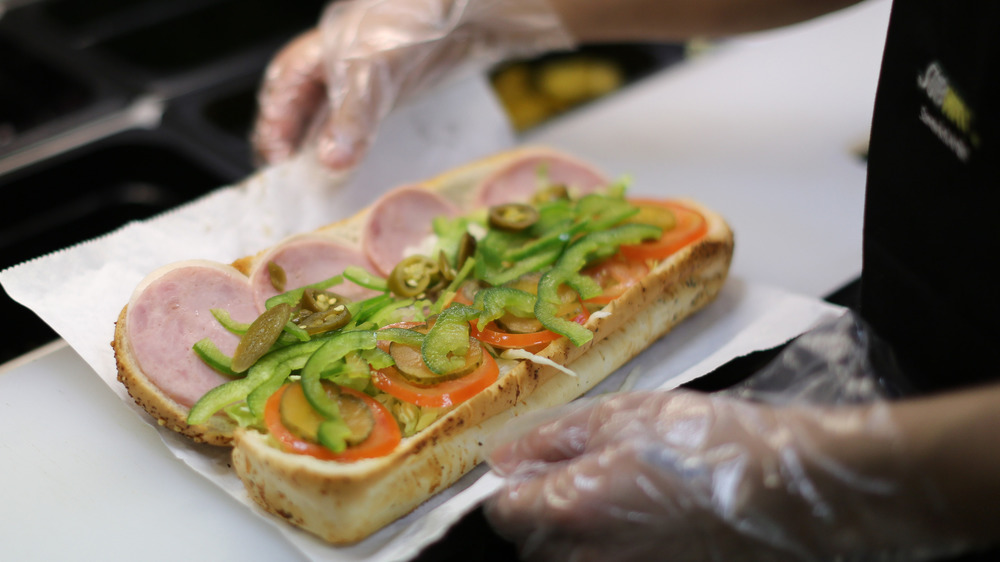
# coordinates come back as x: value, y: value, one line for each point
x: 932, y: 211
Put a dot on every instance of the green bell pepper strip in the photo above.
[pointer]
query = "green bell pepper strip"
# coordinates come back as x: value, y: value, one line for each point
x: 584, y: 286
x: 361, y: 277
x: 602, y: 212
x: 333, y: 349
x: 559, y: 237
x: 377, y: 359
x: 500, y: 273
x: 353, y: 371
x: 222, y: 315
x: 567, y: 271
x: 495, y: 245
x: 214, y: 357
x: 494, y: 302
x: 266, y: 368
x: 361, y: 311
x: 292, y: 329
x: 240, y: 413
x: 403, y: 336
x: 386, y: 314
x: 548, y: 303
x: 551, y: 215
x: 295, y: 295
x: 445, y: 345
x: 285, y: 365
x: 257, y: 398
x: 333, y: 432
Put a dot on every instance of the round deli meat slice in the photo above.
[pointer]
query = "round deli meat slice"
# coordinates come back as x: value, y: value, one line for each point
x: 400, y: 223
x: 308, y: 259
x: 171, y: 311
x: 519, y: 180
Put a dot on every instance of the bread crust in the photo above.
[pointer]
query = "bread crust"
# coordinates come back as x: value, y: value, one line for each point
x: 346, y: 502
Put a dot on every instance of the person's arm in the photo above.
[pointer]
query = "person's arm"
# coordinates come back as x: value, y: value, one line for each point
x: 679, y: 20
x: 954, y: 440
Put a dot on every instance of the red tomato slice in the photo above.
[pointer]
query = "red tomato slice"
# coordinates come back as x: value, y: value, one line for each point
x: 615, y: 275
x: 382, y: 441
x: 496, y: 337
x: 532, y: 342
x: 441, y: 395
x: 690, y: 227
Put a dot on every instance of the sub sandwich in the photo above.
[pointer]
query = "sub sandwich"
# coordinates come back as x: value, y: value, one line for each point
x: 358, y: 369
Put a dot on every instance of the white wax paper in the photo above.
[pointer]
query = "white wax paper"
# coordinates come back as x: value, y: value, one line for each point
x: 80, y: 291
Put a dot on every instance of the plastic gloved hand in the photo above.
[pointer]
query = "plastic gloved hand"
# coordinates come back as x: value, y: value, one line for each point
x: 682, y: 475
x: 689, y: 476
x: 333, y: 85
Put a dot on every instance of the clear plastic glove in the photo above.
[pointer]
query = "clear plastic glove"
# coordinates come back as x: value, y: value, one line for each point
x: 332, y: 86
x: 805, y: 462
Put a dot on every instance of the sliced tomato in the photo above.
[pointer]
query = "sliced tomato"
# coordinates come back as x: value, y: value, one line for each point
x: 689, y: 227
x: 496, y: 337
x: 615, y: 275
x: 383, y: 439
x: 532, y: 342
x: 442, y: 395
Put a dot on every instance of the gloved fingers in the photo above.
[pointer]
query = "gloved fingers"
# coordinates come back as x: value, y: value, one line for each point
x: 368, y: 55
x: 377, y: 54
x: 553, y: 501
x: 292, y: 93
x: 348, y: 130
x: 606, y: 504
x: 529, y: 442
x: 611, y: 490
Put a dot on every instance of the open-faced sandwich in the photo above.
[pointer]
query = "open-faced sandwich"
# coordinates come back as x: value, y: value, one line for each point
x: 356, y: 370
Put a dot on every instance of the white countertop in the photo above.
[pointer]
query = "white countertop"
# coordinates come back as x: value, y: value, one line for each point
x: 764, y: 129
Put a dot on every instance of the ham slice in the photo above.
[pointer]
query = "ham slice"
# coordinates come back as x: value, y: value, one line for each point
x: 171, y: 311
x: 519, y: 180
x: 309, y: 259
x: 399, y: 222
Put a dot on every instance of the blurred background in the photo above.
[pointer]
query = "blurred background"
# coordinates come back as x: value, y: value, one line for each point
x: 116, y: 110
